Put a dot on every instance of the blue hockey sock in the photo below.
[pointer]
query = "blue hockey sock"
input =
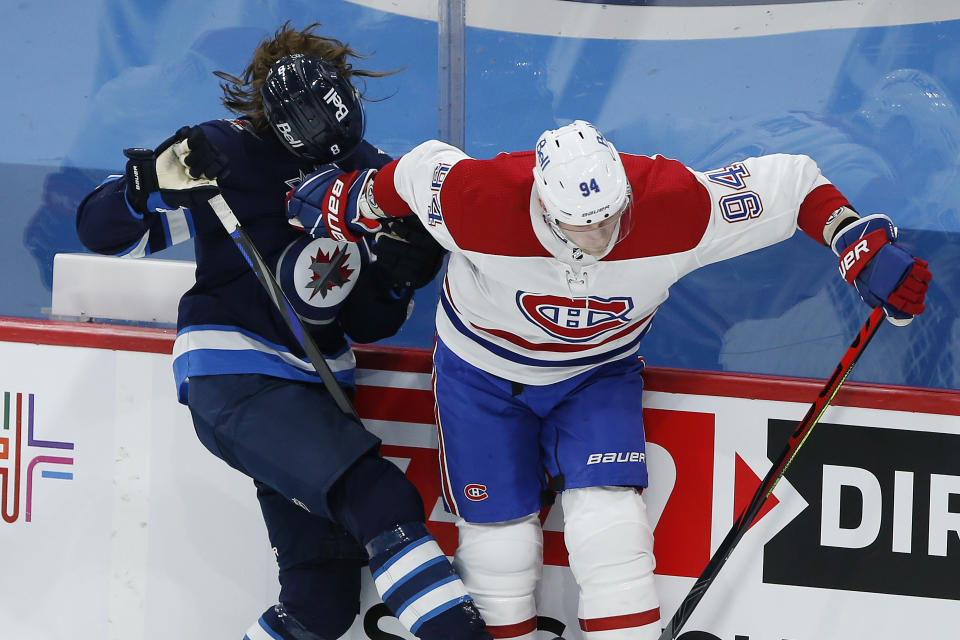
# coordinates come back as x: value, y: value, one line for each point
x: 421, y: 588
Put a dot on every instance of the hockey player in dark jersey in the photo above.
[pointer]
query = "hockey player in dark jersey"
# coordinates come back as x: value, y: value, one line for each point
x: 330, y: 502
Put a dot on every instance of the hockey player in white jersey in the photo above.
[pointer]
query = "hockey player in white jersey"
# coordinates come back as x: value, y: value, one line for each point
x: 560, y: 257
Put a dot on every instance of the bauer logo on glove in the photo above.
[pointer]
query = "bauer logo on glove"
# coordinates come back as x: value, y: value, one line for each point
x: 882, y: 272
x: 332, y: 203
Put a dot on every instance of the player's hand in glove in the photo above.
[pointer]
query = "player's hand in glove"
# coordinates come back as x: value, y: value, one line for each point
x: 184, y: 170
x: 407, y: 255
x: 883, y: 273
x: 331, y: 203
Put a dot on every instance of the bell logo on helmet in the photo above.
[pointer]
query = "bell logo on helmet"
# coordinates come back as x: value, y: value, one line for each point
x: 286, y: 131
x: 332, y: 97
x: 542, y: 157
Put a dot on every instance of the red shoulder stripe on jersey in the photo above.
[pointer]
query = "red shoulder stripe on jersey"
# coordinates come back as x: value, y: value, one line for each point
x: 385, y: 192
x: 485, y: 205
x: 817, y: 207
x: 671, y: 209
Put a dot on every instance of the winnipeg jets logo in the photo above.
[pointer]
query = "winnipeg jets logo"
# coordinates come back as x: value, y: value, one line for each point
x: 575, y: 319
x: 329, y: 271
x: 317, y: 274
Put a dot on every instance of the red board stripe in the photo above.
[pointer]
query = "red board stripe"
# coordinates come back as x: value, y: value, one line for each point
x: 398, y: 405
x: 759, y: 387
x: 87, y: 334
x: 416, y: 360
x: 408, y: 359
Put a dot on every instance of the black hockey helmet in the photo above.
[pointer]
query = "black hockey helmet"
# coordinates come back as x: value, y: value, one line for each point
x: 313, y: 109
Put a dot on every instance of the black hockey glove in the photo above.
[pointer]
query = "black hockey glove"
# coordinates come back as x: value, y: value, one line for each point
x: 184, y: 169
x: 202, y: 159
x: 141, y: 178
x: 407, y: 255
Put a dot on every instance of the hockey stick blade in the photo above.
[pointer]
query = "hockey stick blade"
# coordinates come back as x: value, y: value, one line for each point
x: 776, y: 472
x: 300, y: 331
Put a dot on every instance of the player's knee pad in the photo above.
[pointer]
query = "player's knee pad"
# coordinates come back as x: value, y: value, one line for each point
x: 610, y: 545
x: 500, y: 564
x: 373, y: 496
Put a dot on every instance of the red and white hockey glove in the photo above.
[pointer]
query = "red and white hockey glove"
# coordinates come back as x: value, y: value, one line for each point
x: 883, y: 273
x: 335, y: 204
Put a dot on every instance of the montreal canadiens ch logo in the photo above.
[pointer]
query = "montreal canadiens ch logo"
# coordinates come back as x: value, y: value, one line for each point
x: 575, y: 319
x: 475, y: 492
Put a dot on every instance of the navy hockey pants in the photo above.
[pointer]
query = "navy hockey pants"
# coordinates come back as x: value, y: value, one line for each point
x: 295, y: 443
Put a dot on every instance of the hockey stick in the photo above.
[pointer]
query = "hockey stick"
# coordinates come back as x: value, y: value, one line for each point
x: 800, y: 435
x: 269, y: 281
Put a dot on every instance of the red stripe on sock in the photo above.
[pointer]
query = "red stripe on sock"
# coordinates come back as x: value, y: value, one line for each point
x: 620, y: 622
x: 512, y: 630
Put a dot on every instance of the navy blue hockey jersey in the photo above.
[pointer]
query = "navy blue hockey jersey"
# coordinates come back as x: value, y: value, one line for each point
x: 227, y: 323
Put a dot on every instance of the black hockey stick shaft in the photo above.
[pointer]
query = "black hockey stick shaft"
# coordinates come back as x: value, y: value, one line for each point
x: 269, y: 281
x: 769, y: 483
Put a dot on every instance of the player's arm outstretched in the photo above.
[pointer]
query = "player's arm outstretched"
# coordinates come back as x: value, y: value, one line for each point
x: 763, y: 200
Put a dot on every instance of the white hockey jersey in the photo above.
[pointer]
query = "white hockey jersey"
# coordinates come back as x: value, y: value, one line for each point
x: 521, y: 304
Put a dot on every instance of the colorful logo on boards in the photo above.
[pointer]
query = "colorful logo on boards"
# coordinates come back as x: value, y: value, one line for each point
x: 25, y: 458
